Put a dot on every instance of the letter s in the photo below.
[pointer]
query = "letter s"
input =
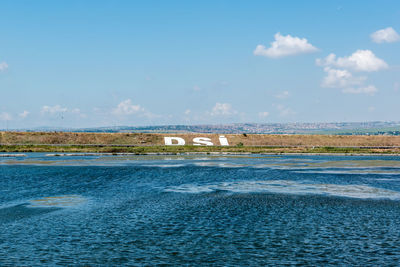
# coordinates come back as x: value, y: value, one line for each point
x: 168, y: 141
x: 198, y: 141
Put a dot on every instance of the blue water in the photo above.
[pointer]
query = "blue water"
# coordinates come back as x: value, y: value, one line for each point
x: 199, y: 210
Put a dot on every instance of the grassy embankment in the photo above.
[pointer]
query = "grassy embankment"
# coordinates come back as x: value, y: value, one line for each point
x: 63, y: 142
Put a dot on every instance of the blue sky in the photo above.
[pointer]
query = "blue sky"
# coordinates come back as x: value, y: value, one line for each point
x: 107, y: 63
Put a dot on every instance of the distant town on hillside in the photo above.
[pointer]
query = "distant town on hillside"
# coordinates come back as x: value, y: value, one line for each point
x: 335, y: 128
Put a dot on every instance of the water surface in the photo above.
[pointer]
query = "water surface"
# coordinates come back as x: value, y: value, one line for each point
x: 207, y: 210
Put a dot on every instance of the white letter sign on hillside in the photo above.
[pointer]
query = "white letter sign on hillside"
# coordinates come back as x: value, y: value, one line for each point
x: 197, y: 141
x: 223, y: 141
x: 168, y: 141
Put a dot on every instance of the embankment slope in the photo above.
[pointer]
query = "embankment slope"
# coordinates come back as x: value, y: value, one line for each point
x: 142, y: 142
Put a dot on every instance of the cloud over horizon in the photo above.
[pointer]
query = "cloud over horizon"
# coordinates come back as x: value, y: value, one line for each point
x: 56, y: 110
x: 263, y: 114
x: 127, y: 108
x: 284, y: 111
x: 339, y: 78
x: 285, y: 46
x: 387, y: 35
x: 222, y: 109
x: 5, y: 116
x: 369, y: 90
x: 339, y: 71
x: 361, y: 60
x: 3, y: 66
x: 53, y: 109
x: 283, y: 95
x: 24, y: 114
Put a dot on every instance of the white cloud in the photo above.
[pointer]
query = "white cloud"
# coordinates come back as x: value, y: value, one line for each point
x: 339, y: 71
x: 337, y: 78
x: 263, y: 114
x: 76, y: 111
x: 3, y: 66
x: 371, y: 109
x: 223, y: 109
x: 4, y: 116
x: 361, y: 60
x: 196, y: 88
x: 24, y: 114
x: 285, y: 46
x: 187, y: 112
x: 284, y: 111
x: 283, y: 95
x: 396, y: 86
x: 388, y: 35
x: 369, y: 90
x: 56, y: 110
x: 127, y: 108
x: 53, y: 109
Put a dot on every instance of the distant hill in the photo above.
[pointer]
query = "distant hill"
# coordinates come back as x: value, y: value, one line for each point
x: 335, y: 128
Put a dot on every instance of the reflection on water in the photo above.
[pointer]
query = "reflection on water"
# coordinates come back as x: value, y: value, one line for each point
x: 13, y: 213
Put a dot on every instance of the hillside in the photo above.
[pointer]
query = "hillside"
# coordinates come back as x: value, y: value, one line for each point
x: 146, y: 142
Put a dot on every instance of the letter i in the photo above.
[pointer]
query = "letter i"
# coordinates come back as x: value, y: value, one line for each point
x: 223, y: 141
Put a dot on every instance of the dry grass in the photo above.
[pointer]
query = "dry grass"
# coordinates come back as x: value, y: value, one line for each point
x: 147, y: 139
x: 78, y: 138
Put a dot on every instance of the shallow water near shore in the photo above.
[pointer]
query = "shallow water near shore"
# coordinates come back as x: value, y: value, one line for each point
x: 199, y: 209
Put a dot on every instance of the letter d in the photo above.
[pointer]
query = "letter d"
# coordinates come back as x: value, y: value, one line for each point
x: 168, y: 141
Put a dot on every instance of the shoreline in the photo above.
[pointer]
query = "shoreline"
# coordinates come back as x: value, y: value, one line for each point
x: 83, y: 154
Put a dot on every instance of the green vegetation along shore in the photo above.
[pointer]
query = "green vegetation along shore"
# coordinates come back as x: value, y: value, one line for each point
x: 188, y: 149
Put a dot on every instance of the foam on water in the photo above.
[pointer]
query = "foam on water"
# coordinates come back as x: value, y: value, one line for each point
x: 290, y: 187
x: 357, y: 171
x: 164, y: 165
x: 58, y: 201
x: 219, y: 164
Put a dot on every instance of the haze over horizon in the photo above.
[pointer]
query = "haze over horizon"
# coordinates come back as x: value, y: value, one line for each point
x: 99, y: 63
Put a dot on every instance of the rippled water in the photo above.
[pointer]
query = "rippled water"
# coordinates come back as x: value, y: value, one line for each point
x: 199, y: 210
